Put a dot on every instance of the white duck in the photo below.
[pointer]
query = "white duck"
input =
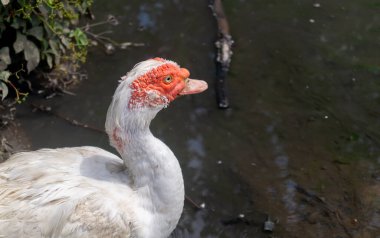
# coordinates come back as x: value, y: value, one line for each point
x: 89, y: 192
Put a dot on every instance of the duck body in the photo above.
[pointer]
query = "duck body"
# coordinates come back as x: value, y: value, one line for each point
x: 89, y: 192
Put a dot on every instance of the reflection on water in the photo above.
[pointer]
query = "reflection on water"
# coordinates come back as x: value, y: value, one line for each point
x: 197, y: 151
x: 196, y: 146
x: 301, y: 142
x: 145, y: 18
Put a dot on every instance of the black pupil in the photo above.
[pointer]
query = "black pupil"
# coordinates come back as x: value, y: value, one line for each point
x: 168, y: 79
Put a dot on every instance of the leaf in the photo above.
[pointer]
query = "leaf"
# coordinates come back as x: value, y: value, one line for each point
x: 54, y: 47
x: 57, y: 59
x: 49, y: 60
x: 43, y: 10
x: 5, y: 2
x: 3, y: 65
x: 34, y: 20
x: 4, y: 90
x: 66, y: 30
x: 4, y: 55
x: 65, y: 41
x: 32, y: 55
x: 50, y: 3
x: 4, y: 75
x: 80, y: 37
x: 55, y: 50
x: 37, y: 32
x: 19, y: 44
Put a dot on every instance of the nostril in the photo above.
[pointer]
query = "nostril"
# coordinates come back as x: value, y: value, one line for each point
x: 185, y: 73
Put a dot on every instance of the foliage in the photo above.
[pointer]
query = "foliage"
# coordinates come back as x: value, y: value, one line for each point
x: 39, y: 34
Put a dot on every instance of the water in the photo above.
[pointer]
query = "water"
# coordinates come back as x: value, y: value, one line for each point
x: 301, y: 141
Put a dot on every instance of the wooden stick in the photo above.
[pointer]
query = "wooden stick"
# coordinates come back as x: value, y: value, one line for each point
x: 224, y: 53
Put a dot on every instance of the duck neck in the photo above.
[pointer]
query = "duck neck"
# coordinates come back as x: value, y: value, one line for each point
x: 156, y: 177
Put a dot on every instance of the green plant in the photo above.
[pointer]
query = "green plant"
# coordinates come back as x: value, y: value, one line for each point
x: 39, y: 34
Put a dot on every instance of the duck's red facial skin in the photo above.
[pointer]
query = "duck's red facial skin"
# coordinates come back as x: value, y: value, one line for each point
x: 168, y: 80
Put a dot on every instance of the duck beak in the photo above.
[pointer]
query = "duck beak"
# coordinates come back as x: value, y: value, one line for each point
x: 193, y: 86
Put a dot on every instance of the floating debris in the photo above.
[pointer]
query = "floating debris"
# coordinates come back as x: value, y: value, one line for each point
x: 110, y: 48
x: 311, y: 20
x: 316, y: 5
x: 219, y: 162
x: 111, y: 19
x: 203, y: 205
x: 268, y: 225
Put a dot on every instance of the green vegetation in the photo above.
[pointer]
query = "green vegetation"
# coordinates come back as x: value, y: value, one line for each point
x: 39, y: 36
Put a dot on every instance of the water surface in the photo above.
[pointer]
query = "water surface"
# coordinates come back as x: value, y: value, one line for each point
x: 301, y: 141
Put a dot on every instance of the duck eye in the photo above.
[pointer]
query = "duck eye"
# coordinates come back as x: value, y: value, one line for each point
x: 168, y: 79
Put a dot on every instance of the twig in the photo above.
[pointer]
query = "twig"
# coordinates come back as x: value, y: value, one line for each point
x: 48, y: 110
x: 192, y: 202
x: 85, y: 27
x: 18, y: 93
x: 104, y: 32
x: 104, y: 40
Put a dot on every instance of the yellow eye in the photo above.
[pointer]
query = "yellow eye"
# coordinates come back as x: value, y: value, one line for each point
x: 168, y: 79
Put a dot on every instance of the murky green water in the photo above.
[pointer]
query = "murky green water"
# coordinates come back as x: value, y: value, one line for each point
x: 301, y: 141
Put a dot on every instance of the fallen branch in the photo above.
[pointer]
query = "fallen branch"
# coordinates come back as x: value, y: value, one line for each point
x: 224, y: 53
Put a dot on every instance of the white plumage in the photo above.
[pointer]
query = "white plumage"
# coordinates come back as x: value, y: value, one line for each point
x: 89, y: 192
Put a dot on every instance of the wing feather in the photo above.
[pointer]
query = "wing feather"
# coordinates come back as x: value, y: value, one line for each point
x: 68, y: 192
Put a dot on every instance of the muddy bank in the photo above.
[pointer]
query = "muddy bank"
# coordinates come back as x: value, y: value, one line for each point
x: 12, y: 140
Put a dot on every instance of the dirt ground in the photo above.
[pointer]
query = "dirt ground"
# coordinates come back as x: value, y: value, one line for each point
x: 12, y: 137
